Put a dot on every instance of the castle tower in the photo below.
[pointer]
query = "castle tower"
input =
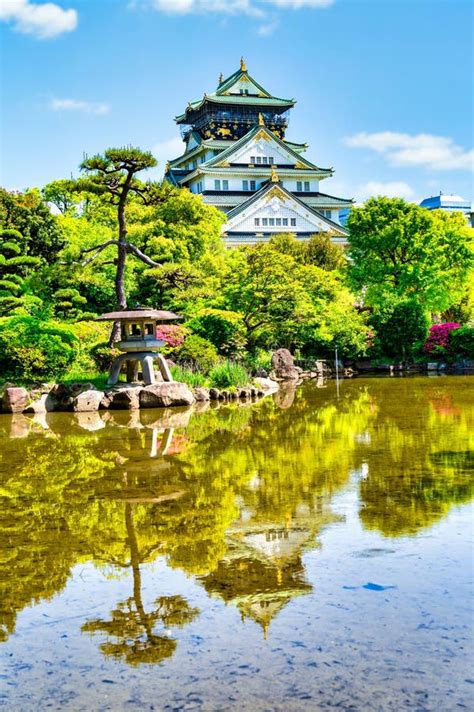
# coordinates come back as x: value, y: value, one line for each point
x: 238, y: 158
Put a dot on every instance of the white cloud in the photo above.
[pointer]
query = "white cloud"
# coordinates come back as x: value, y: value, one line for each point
x: 227, y: 7
x: 297, y: 4
x: 43, y: 20
x: 268, y: 28
x: 86, y: 107
x: 393, y: 189
x: 166, y: 151
x: 230, y: 7
x: 434, y: 152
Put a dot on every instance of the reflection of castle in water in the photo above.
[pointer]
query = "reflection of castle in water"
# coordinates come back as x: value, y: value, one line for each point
x: 262, y: 570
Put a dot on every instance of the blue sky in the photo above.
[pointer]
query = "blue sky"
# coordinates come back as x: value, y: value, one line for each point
x: 384, y: 87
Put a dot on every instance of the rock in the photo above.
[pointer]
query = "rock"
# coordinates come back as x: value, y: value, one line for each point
x: 122, y: 399
x: 233, y: 395
x: 61, y: 397
x: 261, y: 373
x: 223, y: 395
x: 214, y: 393
x: 201, y: 393
x: 244, y: 392
x: 15, y: 400
x: 163, y: 395
x: 87, y: 401
x: 43, y: 404
x: 284, y: 367
x: 266, y: 385
x: 253, y: 392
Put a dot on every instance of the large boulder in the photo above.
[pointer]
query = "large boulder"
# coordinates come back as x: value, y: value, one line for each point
x: 122, y: 399
x: 201, y: 394
x: 15, y: 400
x: 284, y: 366
x: 166, y: 394
x: 87, y: 401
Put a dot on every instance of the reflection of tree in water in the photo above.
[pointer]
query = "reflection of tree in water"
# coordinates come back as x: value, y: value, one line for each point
x: 208, y: 497
x: 418, y: 455
x: 134, y: 628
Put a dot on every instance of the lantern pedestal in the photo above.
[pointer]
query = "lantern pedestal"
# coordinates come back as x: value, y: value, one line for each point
x: 133, y: 361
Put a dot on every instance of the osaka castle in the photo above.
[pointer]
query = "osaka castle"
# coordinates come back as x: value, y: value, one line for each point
x: 237, y: 157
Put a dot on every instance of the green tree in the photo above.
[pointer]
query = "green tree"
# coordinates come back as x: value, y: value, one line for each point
x: 399, y: 250
x: 29, y: 214
x: 14, y: 267
x: 113, y: 174
x: 401, y: 328
x: 59, y: 193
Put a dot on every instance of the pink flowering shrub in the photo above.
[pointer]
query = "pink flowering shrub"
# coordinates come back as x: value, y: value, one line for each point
x: 173, y: 334
x: 438, y: 341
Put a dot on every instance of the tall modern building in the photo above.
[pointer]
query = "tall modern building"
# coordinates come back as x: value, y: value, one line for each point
x: 449, y: 203
x: 237, y: 157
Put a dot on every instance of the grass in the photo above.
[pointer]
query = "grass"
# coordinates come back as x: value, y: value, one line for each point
x: 228, y: 374
x: 187, y: 375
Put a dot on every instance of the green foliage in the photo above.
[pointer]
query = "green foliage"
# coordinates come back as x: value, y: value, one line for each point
x: 31, y: 349
x: 462, y: 341
x: 224, y: 329
x: 258, y: 359
x: 400, y: 250
x: 183, y: 229
x: 103, y: 355
x: 187, y: 375
x: 14, y: 266
x: 29, y: 214
x: 196, y: 353
x: 228, y: 374
x: 401, y: 329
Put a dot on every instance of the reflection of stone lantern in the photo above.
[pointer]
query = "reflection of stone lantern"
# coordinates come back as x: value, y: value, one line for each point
x: 139, y: 343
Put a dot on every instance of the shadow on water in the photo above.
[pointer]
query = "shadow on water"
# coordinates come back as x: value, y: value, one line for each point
x: 232, y: 495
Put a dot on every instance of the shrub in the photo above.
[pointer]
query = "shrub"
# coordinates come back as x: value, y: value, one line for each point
x: 225, y: 329
x: 102, y: 356
x: 228, y: 374
x: 462, y: 341
x: 173, y: 334
x: 400, y: 329
x: 438, y: 341
x: 258, y: 359
x: 196, y: 353
x: 31, y: 349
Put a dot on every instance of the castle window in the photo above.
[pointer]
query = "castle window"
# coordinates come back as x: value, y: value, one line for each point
x: 245, y: 185
x: 217, y: 185
x: 293, y: 222
x: 306, y: 186
x: 252, y: 159
x: 264, y: 160
x: 328, y: 213
x: 299, y: 186
x: 258, y: 160
x: 278, y: 222
x: 264, y: 222
x: 271, y: 160
x: 285, y: 222
x: 271, y: 222
x: 257, y: 222
x: 225, y: 185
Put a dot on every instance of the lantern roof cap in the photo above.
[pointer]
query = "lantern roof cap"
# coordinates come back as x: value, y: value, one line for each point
x: 139, y: 313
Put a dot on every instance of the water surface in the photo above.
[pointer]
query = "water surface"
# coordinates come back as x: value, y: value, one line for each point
x: 309, y: 551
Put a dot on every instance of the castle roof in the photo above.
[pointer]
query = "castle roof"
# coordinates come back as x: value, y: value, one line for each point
x: 230, y: 91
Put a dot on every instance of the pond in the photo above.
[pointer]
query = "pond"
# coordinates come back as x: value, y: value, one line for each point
x: 308, y: 551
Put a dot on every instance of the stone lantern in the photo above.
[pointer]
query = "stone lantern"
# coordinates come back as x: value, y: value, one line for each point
x: 139, y: 343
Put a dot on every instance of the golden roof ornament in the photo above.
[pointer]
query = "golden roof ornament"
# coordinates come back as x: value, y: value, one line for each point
x: 243, y: 66
x: 261, y: 120
x: 274, y: 175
